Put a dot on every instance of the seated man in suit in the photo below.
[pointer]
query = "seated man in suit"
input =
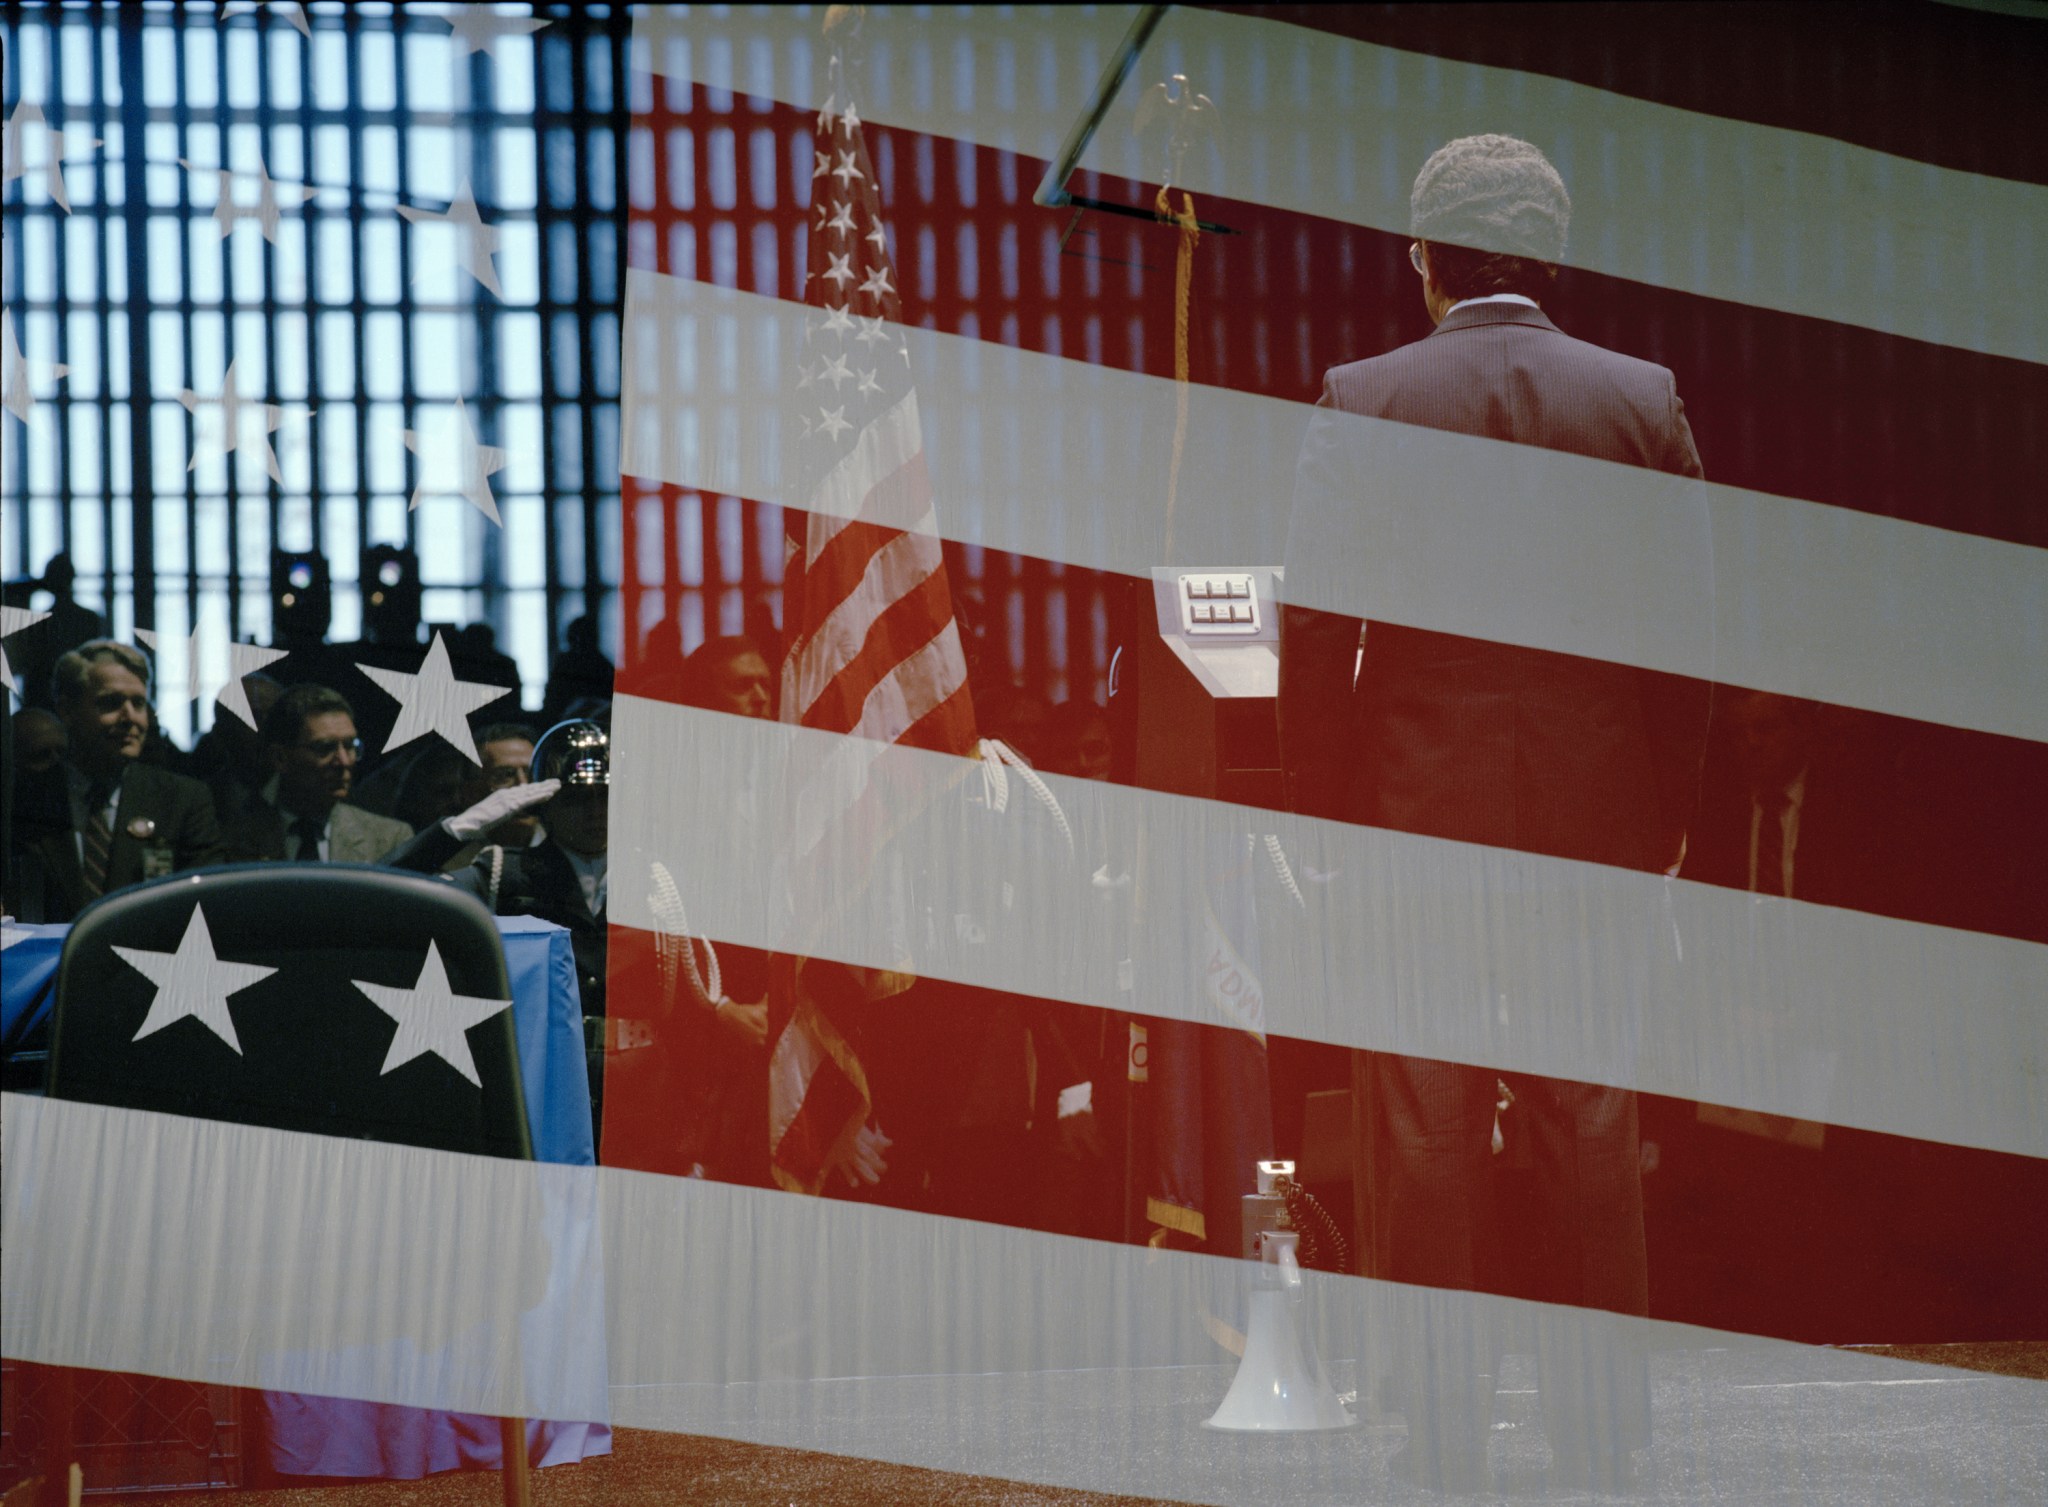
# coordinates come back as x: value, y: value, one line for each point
x: 303, y: 812
x: 100, y: 818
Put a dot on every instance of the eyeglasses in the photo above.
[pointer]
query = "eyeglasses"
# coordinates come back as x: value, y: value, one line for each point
x: 1415, y: 257
x: 325, y: 750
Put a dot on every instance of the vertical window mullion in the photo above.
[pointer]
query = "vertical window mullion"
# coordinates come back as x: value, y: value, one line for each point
x: 14, y: 457
x: 53, y: 113
x: 408, y: 396
x: 266, y: 297
x: 489, y: 399
x: 310, y: 216
x: 231, y: 501
x: 550, y: 394
x: 141, y: 489
x: 356, y: 121
x: 183, y: 112
x: 593, y: 570
x: 103, y: 307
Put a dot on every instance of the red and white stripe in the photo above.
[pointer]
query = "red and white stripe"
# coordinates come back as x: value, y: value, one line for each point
x: 1865, y: 541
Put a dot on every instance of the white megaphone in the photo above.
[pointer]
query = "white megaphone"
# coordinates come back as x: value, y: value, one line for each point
x: 1279, y: 1387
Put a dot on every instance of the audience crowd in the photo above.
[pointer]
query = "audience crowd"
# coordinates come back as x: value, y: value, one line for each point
x: 99, y: 798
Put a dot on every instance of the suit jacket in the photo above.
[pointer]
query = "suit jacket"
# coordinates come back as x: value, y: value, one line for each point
x: 533, y: 882
x: 537, y: 881
x: 1511, y: 747
x: 1459, y: 737
x: 181, y: 828
x: 354, y: 835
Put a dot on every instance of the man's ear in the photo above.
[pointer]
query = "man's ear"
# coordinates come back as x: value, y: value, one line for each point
x: 275, y: 752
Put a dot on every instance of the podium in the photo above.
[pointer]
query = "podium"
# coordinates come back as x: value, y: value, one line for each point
x: 1209, y: 683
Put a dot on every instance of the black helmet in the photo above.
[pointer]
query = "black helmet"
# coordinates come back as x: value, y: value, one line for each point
x: 577, y: 752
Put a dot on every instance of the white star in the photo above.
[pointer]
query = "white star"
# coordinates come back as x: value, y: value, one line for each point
x: 192, y: 981
x: 225, y: 210
x: 12, y: 621
x: 433, y: 701
x: 824, y: 164
x: 878, y: 282
x: 268, y: 208
x: 840, y: 273
x: 432, y: 1017
x: 474, y: 466
x: 479, y: 242
x: 825, y: 115
x: 880, y: 239
x: 837, y: 319
x: 849, y: 122
x: 836, y: 371
x: 842, y: 219
x: 17, y: 388
x: 804, y: 377
x: 243, y: 659
x: 231, y: 405
x: 266, y: 211
x: 868, y: 384
x: 834, y: 421
x: 167, y: 689
x: 846, y: 172
x: 871, y: 329
x: 293, y: 12
x: 14, y: 151
x: 479, y: 28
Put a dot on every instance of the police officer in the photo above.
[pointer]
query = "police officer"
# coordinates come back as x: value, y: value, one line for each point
x: 562, y: 879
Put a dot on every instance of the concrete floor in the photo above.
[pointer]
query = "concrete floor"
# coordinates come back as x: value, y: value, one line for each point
x: 1757, y: 1426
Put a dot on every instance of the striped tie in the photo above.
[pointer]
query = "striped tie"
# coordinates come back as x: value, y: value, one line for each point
x: 98, y: 839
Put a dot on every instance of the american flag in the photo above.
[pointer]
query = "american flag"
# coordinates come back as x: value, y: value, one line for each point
x: 874, y: 652
x: 1853, y: 521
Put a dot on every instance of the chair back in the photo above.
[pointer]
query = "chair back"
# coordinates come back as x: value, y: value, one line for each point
x: 163, y: 1004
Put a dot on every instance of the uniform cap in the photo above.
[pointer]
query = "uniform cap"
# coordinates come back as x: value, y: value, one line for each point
x: 578, y: 753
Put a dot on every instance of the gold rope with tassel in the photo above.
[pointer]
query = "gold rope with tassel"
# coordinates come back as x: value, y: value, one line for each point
x: 1183, y: 297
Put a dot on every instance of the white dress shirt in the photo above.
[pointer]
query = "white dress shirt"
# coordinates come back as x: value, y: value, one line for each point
x: 1466, y: 303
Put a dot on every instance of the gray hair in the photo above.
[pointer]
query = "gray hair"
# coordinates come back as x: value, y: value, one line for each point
x: 73, y: 670
x: 1492, y: 193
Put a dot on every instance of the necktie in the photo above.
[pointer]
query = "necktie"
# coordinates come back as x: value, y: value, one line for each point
x: 99, y: 839
x: 309, y: 830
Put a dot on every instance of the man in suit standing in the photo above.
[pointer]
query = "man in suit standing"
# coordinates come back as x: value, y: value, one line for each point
x: 101, y: 819
x: 1502, y: 745
x: 303, y: 812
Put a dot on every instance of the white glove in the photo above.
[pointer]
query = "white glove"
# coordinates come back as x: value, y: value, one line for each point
x: 499, y: 807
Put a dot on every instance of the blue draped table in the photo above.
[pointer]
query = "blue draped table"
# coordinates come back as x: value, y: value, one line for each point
x: 329, y: 1436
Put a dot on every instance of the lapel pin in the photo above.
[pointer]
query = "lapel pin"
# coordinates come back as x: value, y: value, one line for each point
x: 142, y: 829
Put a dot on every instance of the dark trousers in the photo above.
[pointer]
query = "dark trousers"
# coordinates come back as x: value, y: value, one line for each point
x: 1556, y: 1217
